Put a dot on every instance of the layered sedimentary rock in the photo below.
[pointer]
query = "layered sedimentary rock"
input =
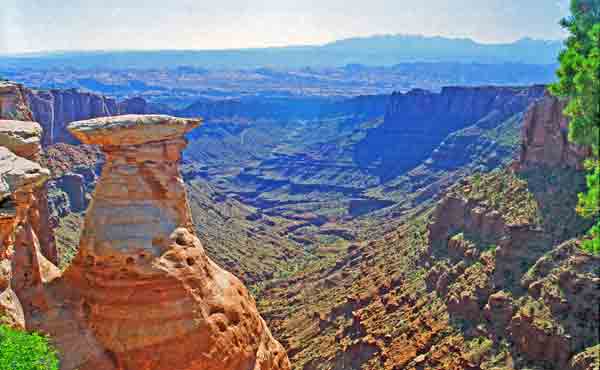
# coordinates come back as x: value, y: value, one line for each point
x: 24, y: 139
x: 21, y: 137
x: 13, y: 104
x: 22, y: 262
x: 54, y: 109
x: 416, y: 122
x: 545, y: 137
x: 141, y: 293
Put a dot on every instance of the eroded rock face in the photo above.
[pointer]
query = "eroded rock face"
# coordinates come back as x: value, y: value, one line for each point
x: 54, y: 109
x: 12, y: 102
x: 417, y: 122
x: 21, y: 137
x: 545, y: 137
x: 22, y: 262
x: 18, y: 173
x: 141, y: 292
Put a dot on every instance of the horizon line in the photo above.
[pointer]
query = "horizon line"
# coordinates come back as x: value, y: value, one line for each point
x: 372, y: 36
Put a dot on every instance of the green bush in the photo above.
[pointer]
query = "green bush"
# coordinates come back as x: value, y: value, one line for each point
x: 24, y: 351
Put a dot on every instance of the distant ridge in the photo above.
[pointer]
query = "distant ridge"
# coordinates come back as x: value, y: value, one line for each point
x: 381, y: 50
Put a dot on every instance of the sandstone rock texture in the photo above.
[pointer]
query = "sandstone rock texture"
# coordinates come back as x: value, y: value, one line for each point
x: 141, y: 294
x: 13, y: 104
x: 22, y: 261
x: 21, y: 137
x: 545, y: 137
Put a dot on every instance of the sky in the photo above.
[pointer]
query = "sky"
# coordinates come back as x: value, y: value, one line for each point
x: 45, y: 25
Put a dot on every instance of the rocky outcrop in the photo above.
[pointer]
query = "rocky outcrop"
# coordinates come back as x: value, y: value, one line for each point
x: 54, y: 109
x: 23, y: 138
x: 454, y: 213
x: 416, y: 122
x: 22, y: 261
x: 13, y: 104
x: 141, y: 293
x: 545, y: 137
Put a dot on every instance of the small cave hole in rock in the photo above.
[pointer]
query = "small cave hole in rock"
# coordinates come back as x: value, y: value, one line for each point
x: 180, y: 240
x: 190, y: 261
x: 7, y: 203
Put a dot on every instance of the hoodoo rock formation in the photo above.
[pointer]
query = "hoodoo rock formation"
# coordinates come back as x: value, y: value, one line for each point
x: 142, y: 294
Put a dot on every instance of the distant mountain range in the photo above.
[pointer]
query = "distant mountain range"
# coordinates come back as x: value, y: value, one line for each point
x: 369, y: 51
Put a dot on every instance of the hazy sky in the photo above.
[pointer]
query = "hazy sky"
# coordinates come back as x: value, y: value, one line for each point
x: 34, y: 25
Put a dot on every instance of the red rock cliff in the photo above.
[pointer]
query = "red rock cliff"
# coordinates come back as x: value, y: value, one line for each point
x: 545, y: 137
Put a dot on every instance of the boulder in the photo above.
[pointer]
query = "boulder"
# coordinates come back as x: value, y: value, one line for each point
x: 17, y: 173
x: 21, y: 137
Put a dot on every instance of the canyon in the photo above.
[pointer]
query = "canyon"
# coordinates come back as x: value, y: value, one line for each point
x: 405, y: 231
x: 490, y: 277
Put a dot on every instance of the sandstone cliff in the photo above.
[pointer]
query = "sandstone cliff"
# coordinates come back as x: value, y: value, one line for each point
x: 545, y: 137
x: 13, y: 104
x: 24, y: 236
x: 141, y: 292
x: 417, y: 122
x: 24, y: 138
x: 54, y: 109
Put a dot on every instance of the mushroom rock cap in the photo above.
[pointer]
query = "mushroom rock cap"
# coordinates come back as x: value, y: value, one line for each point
x: 18, y: 173
x: 131, y: 129
x: 21, y: 137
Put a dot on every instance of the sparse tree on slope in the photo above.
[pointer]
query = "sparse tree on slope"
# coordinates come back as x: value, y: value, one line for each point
x: 579, y: 81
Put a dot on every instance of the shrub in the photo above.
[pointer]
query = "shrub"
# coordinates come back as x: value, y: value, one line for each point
x: 25, y: 351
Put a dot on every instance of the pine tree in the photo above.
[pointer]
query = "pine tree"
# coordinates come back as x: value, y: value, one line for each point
x: 579, y: 82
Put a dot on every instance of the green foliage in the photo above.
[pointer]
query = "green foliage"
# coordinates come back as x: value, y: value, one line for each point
x: 589, y: 206
x: 24, y: 351
x: 579, y: 81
